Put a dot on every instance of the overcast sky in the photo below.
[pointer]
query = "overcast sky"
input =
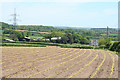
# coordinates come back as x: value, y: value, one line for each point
x: 73, y: 13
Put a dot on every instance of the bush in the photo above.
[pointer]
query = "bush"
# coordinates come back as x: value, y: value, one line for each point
x: 16, y: 39
x: 24, y: 40
x: 102, y: 46
x: 108, y: 45
x: 118, y: 48
x: 115, y: 46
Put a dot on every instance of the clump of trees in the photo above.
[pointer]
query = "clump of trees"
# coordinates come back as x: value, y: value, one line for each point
x: 68, y: 37
x: 113, y: 46
x: 16, y: 35
x: 103, y: 42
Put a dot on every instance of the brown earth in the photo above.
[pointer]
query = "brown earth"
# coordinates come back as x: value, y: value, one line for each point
x: 56, y: 62
x: 34, y: 31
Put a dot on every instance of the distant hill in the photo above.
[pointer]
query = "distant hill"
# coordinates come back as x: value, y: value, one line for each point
x: 104, y: 30
x: 28, y: 27
x: 41, y: 28
x: 66, y: 27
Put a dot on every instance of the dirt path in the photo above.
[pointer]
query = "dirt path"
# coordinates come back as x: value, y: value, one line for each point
x: 56, y: 62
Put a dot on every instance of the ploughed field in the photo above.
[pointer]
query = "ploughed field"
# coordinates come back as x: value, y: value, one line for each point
x: 56, y: 62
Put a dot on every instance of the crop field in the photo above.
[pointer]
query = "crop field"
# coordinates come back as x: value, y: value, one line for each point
x: 56, y: 62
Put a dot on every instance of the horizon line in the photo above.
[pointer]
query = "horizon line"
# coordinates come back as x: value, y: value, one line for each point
x: 56, y: 26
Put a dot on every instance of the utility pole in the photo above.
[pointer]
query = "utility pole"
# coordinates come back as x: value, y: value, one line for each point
x: 107, y: 33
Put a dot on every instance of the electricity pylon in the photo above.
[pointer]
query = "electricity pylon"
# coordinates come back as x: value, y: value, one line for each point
x: 14, y: 18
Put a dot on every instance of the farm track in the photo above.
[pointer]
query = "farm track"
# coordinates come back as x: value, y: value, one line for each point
x: 56, y: 62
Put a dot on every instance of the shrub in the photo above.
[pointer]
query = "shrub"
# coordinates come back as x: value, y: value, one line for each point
x: 16, y: 39
x: 115, y: 46
x: 108, y: 45
x: 24, y: 40
x: 102, y: 46
x: 118, y: 48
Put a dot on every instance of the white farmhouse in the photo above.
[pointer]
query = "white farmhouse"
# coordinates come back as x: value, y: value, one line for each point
x: 94, y: 43
x: 56, y: 38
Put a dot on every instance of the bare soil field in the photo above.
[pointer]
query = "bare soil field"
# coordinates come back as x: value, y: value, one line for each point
x: 34, y: 31
x: 56, y: 62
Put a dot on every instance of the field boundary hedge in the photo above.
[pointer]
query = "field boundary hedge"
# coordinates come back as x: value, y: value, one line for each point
x: 43, y: 44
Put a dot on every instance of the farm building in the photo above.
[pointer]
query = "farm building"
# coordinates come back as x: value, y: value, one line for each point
x: 94, y: 43
x: 56, y: 38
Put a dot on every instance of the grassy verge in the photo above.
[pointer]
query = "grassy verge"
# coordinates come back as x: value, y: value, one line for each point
x: 75, y: 46
x: 18, y: 44
x: 118, y: 53
x: 40, y: 44
x: 114, y: 52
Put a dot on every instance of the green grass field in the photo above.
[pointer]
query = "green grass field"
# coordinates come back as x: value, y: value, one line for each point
x: 35, y: 37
